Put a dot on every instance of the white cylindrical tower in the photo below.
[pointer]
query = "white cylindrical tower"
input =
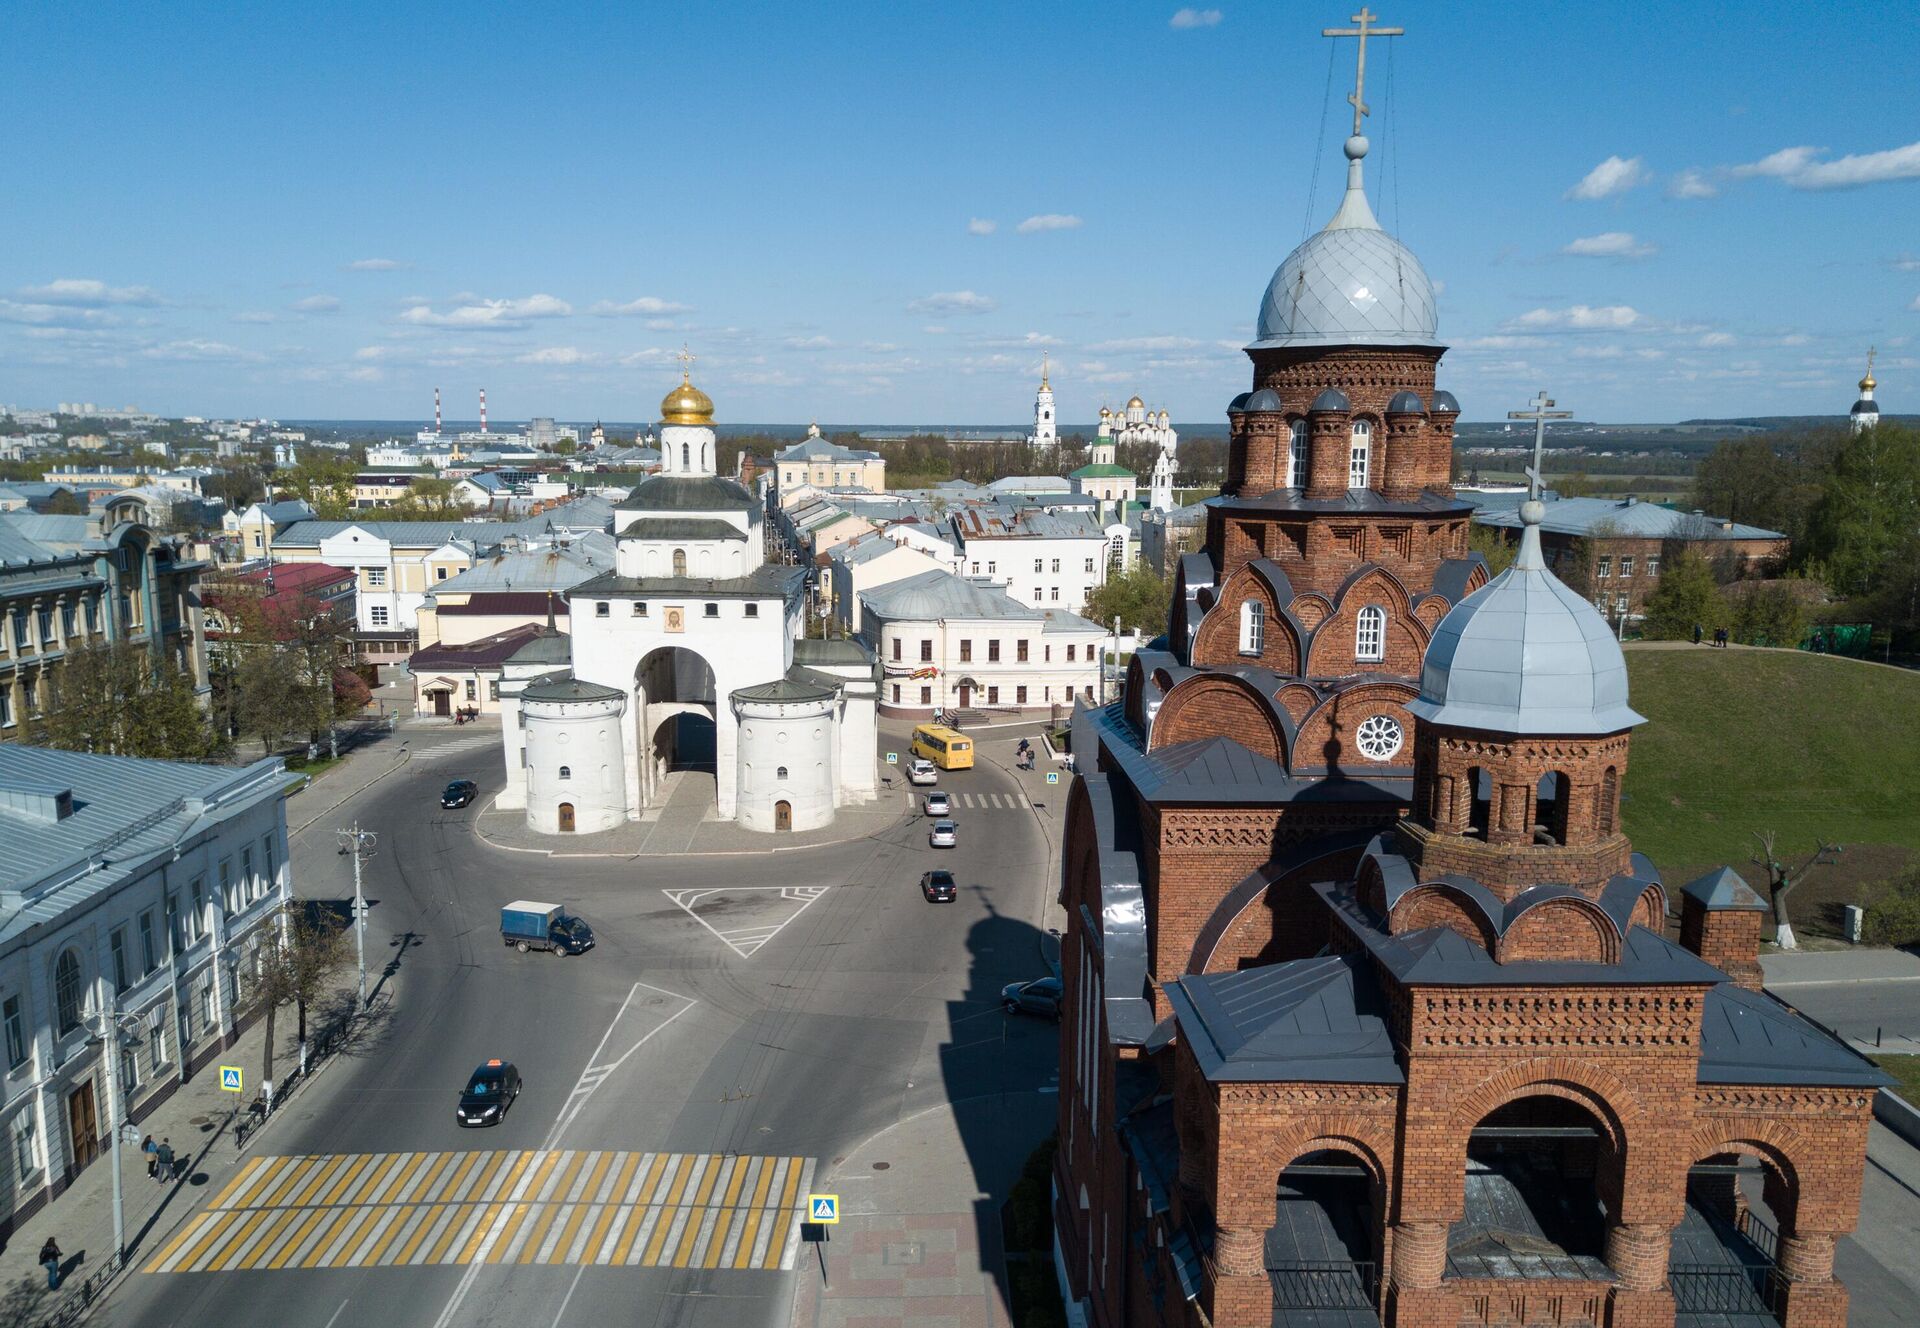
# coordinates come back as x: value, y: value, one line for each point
x: 786, y: 754
x: 576, y: 773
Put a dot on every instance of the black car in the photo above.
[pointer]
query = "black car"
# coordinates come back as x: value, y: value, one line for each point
x: 490, y: 1090
x: 1038, y: 997
x: 938, y: 887
x: 459, y: 793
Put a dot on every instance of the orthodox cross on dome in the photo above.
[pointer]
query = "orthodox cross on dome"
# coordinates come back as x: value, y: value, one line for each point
x: 1542, y: 412
x: 686, y: 358
x: 1365, y: 20
x: 1043, y: 368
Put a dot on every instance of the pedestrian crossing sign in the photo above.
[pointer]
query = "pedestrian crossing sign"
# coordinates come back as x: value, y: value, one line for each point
x: 230, y: 1078
x: 823, y: 1208
x: 893, y: 758
x: 1053, y: 776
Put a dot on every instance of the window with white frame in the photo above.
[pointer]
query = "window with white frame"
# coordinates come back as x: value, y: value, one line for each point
x: 1297, y: 455
x: 1653, y: 566
x: 1626, y: 565
x: 1605, y: 566
x: 376, y: 578
x: 26, y: 1146
x: 1370, y: 633
x: 1360, y: 458
x: 157, y: 1043
x: 66, y: 990
x: 1253, y: 627
x: 16, y: 1032
x: 377, y: 615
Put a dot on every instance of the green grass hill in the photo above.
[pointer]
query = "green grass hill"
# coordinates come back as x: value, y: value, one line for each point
x: 1809, y: 746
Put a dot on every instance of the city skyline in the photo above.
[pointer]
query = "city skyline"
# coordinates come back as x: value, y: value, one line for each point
x: 860, y: 234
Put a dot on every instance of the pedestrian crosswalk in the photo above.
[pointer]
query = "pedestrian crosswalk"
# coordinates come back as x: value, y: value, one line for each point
x: 988, y: 801
x: 562, y: 1206
x: 487, y: 740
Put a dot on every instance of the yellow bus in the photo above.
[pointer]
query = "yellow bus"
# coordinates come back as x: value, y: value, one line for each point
x: 947, y: 748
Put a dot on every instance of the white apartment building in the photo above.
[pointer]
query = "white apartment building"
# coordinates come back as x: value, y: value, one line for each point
x: 945, y: 643
x: 133, y: 888
x: 867, y: 563
x: 1045, y: 559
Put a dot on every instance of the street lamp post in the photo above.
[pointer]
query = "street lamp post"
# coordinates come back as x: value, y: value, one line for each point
x: 108, y: 1030
x: 358, y: 842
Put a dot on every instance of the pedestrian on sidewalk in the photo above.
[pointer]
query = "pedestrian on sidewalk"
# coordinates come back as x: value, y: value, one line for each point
x: 164, y: 1155
x: 151, y: 1149
x: 50, y: 1258
x: 1696, y: 633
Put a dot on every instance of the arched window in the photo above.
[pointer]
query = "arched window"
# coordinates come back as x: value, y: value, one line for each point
x: 1360, y: 459
x: 679, y: 562
x: 1370, y: 634
x: 1608, y: 799
x: 703, y: 456
x: 1297, y: 455
x: 780, y: 773
x: 566, y: 772
x: 1253, y: 627
x: 685, y: 457
x: 66, y: 990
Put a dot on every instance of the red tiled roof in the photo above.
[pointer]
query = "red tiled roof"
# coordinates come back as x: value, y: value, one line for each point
x: 487, y: 652
x: 297, y: 578
x: 494, y: 602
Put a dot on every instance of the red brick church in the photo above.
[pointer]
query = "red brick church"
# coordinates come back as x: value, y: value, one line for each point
x: 1371, y: 1011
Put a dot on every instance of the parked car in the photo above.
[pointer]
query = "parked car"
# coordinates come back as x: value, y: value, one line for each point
x: 939, y: 804
x: 923, y: 771
x: 489, y: 1091
x: 938, y: 887
x: 527, y: 924
x: 945, y: 834
x: 459, y: 793
x: 1039, y: 997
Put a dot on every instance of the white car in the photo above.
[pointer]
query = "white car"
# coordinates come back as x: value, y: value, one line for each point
x: 945, y: 834
x: 923, y: 771
x: 939, y: 804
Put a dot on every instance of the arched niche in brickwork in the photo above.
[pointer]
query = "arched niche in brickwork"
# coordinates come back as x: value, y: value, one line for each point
x: 1298, y: 700
x: 1438, y: 904
x: 1273, y: 914
x: 1430, y: 611
x: 1220, y: 705
x: 1782, y: 1148
x: 1310, y: 609
x: 1218, y: 640
x: 1371, y: 887
x: 1651, y: 909
x: 1568, y: 928
x: 1604, y: 1094
x: 1080, y: 851
x: 1327, y: 737
x: 1333, y: 649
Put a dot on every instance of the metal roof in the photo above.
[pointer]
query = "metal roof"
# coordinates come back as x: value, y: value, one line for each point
x: 124, y: 810
x: 546, y: 567
x: 819, y: 449
x: 930, y: 596
x: 1626, y: 517
x: 564, y: 687
x: 1723, y: 890
x: 1749, y: 1037
x: 549, y: 647
x: 686, y: 493
x: 487, y: 652
x: 767, y: 582
x: 1319, y: 1020
x: 683, y: 527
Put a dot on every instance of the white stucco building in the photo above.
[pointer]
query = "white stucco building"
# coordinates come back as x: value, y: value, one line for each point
x: 1137, y: 424
x: 1046, y: 424
x: 684, y: 657
x: 1045, y: 558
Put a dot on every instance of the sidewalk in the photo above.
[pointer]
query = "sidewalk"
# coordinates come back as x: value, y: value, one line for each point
x: 918, y: 1242
x: 199, y: 1118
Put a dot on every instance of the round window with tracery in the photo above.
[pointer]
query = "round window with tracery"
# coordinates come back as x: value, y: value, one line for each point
x: 1379, y: 737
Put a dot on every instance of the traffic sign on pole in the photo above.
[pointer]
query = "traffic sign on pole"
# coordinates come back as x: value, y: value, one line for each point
x: 230, y: 1078
x: 823, y: 1208
x: 893, y: 758
x: 1053, y: 776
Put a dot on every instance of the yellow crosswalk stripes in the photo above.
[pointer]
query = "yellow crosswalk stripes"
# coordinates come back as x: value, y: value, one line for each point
x: 528, y: 1206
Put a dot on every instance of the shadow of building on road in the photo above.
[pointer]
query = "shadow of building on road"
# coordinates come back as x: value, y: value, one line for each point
x: 1000, y: 1070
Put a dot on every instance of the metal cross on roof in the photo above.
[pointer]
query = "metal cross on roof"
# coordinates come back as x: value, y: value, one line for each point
x: 1542, y: 412
x: 686, y: 358
x: 1365, y: 19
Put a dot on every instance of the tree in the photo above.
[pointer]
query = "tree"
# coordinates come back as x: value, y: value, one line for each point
x: 121, y: 699
x: 325, y: 481
x: 1869, y: 504
x: 236, y: 483
x: 1783, y: 880
x: 1139, y: 597
x: 1687, y: 597
x: 305, y: 947
x: 1768, y: 613
x: 429, y: 498
x: 1490, y: 542
x: 270, y: 698
x: 66, y: 503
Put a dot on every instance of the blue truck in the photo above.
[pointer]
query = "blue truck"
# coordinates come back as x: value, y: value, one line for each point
x: 528, y: 925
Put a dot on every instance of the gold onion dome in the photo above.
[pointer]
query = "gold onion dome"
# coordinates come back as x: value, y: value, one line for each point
x: 1867, y: 383
x: 1134, y: 403
x: 686, y: 404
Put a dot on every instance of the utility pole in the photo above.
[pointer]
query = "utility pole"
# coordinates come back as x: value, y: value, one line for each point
x: 110, y: 1034
x: 358, y: 842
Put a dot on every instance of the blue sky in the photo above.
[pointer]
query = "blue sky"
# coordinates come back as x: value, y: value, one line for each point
x: 867, y: 213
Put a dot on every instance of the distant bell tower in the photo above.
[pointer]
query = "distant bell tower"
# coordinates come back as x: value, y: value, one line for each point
x: 1161, y: 490
x: 1045, y: 424
x: 1866, y: 411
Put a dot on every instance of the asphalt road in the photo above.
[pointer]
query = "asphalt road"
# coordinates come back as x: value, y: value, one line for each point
x: 784, y: 1006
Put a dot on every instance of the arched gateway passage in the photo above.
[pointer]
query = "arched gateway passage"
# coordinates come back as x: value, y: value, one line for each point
x: 1540, y: 1172
x: 675, y: 718
x: 1323, y: 1250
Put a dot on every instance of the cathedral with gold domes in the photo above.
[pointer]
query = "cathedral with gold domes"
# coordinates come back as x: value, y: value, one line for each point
x: 685, y: 666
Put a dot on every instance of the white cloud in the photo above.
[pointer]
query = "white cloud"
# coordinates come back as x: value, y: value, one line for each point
x: 1497, y: 343
x: 557, y: 355
x: 953, y: 302
x: 1185, y: 19
x: 1801, y: 167
x: 1049, y: 221
x: 198, y: 350
x: 982, y: 226
x: 1906, y: 263
x: 1579, y: 317
x: 486, y: 315
x: 646, y: 304
x: 1713, y: 339
x: 1613, y: 176
x: 87, y: 292
x: 372, y: 265
x: 1144, y: 344
x: 1692, y: 183
x: 1610, y: 244
x: 374, y: 353
x: 934, y: 330
x: 642, y: 358
x: 1915, y: 306
x: 256, y: 316
x: 316, y: 304
x: 53, y: 315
